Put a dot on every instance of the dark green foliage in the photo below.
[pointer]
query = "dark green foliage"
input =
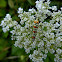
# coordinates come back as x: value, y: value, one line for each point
x: 3, y: 3
x: 50, y: 58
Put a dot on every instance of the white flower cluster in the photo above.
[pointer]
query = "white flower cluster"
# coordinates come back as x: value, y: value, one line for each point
x: 7, y: 23
x: 49, y: 33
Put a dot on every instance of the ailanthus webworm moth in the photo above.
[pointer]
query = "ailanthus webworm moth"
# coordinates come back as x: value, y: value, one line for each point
x: 35, y: 27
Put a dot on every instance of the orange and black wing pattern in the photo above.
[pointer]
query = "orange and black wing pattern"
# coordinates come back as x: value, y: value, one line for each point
x: 35, y: 27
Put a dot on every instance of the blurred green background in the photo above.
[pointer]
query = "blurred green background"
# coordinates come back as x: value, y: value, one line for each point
x: 8, y: 52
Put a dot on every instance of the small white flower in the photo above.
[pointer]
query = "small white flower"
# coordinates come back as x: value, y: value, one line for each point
x: 20, y: 10
x: 54, y: 8
x: 59, y: 51
x: 56, y: 25
x: 32, y: 10
x: 8, y: 16
x: 61, y: 8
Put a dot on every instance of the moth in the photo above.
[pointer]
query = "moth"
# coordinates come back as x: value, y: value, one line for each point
x: 35, y: 27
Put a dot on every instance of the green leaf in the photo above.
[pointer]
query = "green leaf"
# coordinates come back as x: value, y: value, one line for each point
x: 51, y: 57
x: 5, y: 35
x: 3, y: 43
x: 3, y: 48
x: 0, y: 30
x: 14, y: 18
x: 45, y: 28
x: 56, y: 3
x: 2, y: 3
x: 46, y: 60
x: 3, y: 54
x: 11, y: 3
x: 2, y: 12
x: 31, y: 2
x: 17, y: 51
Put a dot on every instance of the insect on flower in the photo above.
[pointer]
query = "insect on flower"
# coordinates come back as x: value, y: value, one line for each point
x: 35, y: 27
